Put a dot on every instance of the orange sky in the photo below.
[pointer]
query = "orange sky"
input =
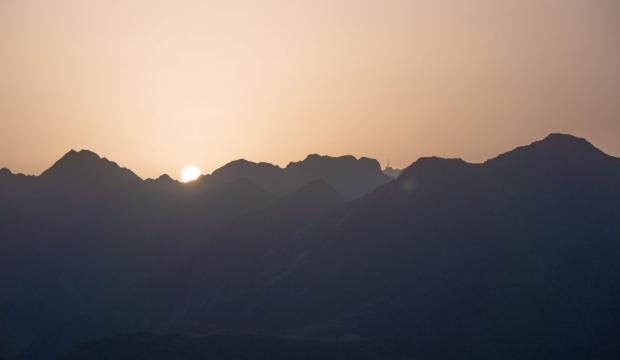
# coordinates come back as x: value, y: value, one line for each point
x: 156, y: 85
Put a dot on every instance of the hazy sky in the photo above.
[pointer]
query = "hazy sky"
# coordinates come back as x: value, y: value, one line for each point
x: 156, y: 85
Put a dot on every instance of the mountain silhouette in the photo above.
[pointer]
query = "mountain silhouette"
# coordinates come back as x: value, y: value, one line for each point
x: 5, y: 176
x: 491, y: 258
x: 85, y: 166
x: 163, y: 179
x: 351, y: 177
x: 512, y: 258
x: 556, y: 150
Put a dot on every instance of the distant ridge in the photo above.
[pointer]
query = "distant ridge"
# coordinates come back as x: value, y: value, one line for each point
x: 350, y: 176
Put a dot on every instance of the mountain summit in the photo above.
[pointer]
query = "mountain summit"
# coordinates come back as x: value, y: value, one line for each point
x: 87, y: 166
x: 559, y: 149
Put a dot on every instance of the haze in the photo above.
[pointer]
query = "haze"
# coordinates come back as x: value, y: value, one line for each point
x: 155, y: 85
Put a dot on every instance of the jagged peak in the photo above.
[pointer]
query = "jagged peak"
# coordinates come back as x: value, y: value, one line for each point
x: 317, y: 156
x: 6, y: 173
x: 82, y: 154
x: 336, y: 163
x: 86, y: 163
x: 75, y: 158
x: 163, y: 179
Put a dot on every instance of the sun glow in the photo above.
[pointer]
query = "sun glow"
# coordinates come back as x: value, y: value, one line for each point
x: 190, y: 173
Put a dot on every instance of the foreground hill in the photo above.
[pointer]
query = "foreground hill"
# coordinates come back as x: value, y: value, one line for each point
x: 512, y: 258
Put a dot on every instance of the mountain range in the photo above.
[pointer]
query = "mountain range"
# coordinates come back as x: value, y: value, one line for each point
x: 512, y: 258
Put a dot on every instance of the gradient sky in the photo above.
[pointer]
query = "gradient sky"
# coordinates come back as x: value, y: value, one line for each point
x: 156, y: 85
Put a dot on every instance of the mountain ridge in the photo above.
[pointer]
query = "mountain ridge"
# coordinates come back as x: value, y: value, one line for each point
x: 86, y: 164
x: 510, y: 258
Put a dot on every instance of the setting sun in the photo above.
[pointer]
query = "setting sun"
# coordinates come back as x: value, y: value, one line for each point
x: 190, y: 173
x: 309, y: 179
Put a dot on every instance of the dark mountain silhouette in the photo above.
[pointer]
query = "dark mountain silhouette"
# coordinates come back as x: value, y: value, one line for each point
x: 6, y: 176
x: 86, y: 166
x: 350, y: 176
x: 100, y: 231
x: 559, y: 150
x: 164, y: 179
x: 262, y: 173
x: 512, y: 258
x: 9, y: 178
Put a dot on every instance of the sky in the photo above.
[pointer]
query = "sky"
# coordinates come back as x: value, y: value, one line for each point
x: 157, y: 85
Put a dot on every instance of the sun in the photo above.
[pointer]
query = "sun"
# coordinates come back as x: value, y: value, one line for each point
x: 190, y: 173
